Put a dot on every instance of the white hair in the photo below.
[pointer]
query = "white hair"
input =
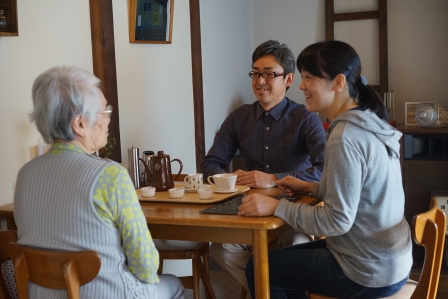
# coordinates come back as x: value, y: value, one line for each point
x: 59, y: 95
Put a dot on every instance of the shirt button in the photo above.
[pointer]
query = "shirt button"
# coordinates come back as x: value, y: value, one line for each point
x: 267, y: 147
x: 267, y: 128
x: 267, y: 113
x: 267, y: 166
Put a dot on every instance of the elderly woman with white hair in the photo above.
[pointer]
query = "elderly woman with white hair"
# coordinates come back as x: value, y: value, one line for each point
x: 69, y: 199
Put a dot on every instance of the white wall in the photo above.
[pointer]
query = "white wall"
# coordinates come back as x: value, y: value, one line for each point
x: 417, y: 38
x: 292, y: 22
x: 418, y: 59
x: 51, y: 32
x: 226, y: 35
x: 155, y: 91
x: 154, y: 82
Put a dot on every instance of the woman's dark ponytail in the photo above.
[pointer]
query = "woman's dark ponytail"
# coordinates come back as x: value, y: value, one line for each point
x: 368, y: 97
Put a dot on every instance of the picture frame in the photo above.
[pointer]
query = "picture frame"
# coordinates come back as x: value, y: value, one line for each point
x: 409, y: 110
x: 151, y: 21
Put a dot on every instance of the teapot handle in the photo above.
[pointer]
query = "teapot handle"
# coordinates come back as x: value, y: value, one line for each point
x: 180, y: 169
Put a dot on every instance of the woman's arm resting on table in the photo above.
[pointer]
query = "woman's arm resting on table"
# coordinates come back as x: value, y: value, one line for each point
x: 258, y: 205
x: 291, y: 186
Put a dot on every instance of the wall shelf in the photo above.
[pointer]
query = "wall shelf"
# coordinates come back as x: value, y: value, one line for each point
x: 10, y: 8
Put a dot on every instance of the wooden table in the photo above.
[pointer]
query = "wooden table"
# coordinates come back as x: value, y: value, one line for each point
x: 177, y: 221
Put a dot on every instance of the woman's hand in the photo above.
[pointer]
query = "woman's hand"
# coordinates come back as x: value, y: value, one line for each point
x: 258, y: 205
x: 291, y: 186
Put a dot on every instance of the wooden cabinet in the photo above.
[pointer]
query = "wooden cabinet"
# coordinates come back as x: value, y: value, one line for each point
x: 424, y: 163
x: 10, y: 8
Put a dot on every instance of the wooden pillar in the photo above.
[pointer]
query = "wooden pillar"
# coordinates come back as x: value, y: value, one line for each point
x: 103, y: 53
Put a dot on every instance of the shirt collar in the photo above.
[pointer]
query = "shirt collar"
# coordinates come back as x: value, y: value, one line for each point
x: 65, y: 148
x: 275, y: 112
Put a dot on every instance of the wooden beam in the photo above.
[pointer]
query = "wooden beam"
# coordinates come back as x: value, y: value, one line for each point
x: 103, y: 54
x: 382, y: 42
x: 381, y: 15
x: 198, y: 97
x: 353, y: 16
x: 329, y: 25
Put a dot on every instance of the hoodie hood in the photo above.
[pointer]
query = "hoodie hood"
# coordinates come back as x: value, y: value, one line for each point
x: 369, y: 121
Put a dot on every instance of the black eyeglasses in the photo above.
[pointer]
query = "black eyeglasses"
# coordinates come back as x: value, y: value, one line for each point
x: 107, y: 111
x: 265, y: 75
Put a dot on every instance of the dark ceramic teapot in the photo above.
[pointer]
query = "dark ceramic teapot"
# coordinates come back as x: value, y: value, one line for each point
x: 161, y: 177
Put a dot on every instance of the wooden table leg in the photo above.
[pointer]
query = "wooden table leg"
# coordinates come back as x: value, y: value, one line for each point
x: 261, y: 263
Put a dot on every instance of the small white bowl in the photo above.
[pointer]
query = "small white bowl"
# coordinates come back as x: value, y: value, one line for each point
x: 148, y: 191
x: 205, y: 193
x: 176, y: 192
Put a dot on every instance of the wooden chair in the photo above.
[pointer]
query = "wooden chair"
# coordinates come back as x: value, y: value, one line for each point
x: 201, y: 268
x: 6, y: 237
x: 428, y: 230
x: 53, y: 269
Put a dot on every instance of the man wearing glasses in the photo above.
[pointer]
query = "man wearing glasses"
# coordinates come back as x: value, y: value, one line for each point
x: 276, y: 137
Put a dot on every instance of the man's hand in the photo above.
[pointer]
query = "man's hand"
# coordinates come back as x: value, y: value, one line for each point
x: 255, y: 179
x: 257, y: 205
x: 290, y: 186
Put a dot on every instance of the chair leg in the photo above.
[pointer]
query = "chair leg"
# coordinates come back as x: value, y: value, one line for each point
x: 160, y: 270
x: 196, y: 277
x: 243, y: 292
x: 205, y: 276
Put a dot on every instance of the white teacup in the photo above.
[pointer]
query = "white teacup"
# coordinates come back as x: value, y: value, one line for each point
x: 148, y: 191
x: 194, y: 181
x: 205, y: 193
x: 223, y: 181
x: 176, y: 192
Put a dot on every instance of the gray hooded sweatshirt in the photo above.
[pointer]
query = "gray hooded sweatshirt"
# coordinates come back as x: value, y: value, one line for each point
x: 363, y: 213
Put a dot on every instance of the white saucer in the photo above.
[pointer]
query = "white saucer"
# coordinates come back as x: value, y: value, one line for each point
x: 226, y: 191
x: 195, y: 190
x: 190, y: 190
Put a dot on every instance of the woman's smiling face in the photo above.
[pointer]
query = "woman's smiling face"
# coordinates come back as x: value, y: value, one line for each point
x: 319, y: 92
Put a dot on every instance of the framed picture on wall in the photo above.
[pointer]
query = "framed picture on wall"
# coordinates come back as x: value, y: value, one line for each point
x: 151, y: 21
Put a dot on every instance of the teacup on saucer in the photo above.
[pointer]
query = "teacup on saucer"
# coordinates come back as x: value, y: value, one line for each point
x: 223, y: 181
x: 226, y: 190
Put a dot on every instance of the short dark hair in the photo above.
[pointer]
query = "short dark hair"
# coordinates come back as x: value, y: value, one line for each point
x: 281, y: 52
x: 330, y: 58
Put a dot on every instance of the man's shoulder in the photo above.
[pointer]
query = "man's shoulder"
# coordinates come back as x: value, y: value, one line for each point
x: 246, y: 108
x: 295, y: 107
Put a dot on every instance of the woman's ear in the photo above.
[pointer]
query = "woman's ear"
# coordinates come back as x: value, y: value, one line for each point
x: 289, y: 79
x: 339, y: 82
x: 79, y: 125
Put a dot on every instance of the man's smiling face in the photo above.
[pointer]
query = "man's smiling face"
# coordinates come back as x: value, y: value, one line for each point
x: 272, y: 91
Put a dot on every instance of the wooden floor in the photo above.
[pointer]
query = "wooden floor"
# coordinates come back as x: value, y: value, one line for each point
x: 226, y: 287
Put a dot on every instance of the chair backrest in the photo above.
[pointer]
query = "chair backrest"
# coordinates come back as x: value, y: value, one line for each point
x: 429, y: 231
x: 6, y: 237
x: 53, y: 269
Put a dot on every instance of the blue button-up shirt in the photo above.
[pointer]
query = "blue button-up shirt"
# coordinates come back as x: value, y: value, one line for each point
x: 286, y: 140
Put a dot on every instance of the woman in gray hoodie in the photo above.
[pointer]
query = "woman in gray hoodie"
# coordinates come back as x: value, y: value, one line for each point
x: 367, y: 252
